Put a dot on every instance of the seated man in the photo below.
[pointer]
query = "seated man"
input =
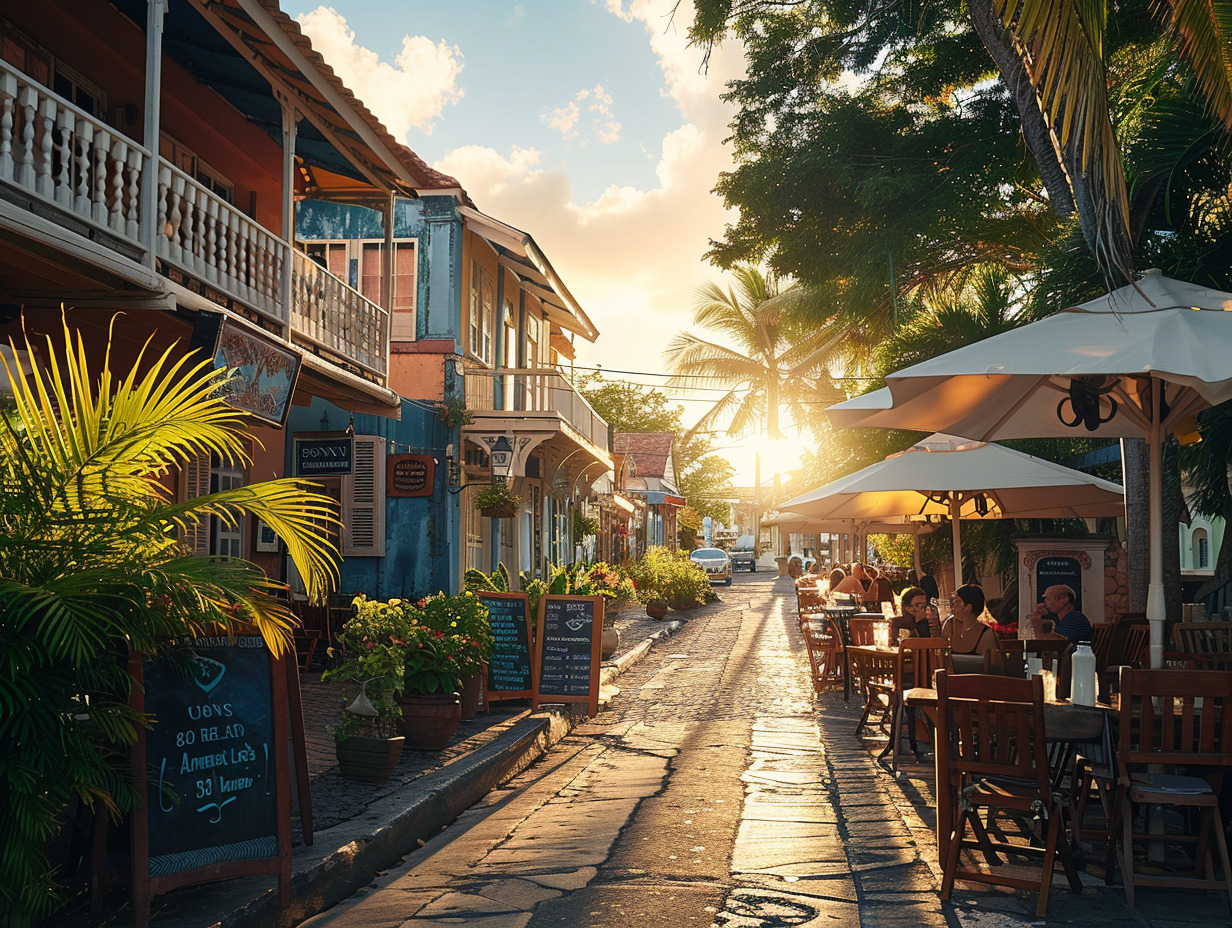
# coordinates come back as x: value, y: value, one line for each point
x: 1068, y: 622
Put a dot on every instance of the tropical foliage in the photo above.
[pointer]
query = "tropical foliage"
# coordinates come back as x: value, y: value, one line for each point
x: 93, y: 568
x: 372, y: 648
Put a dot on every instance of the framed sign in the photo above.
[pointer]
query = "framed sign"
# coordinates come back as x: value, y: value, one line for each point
x: 324, y: 456
x: 568, y: 642
x: 261, y: 372
x: 409, y: 474
x: 510, y: 669
x: 212, y: 770
x: 267, y: 541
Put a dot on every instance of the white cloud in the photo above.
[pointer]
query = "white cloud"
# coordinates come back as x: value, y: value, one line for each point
x: 602, y: 125
x: 632, y: 257
x: 564, y: 119
x: 412, y: 92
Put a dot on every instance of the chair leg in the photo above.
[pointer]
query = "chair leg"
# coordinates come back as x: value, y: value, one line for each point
x: 957, y: 831
x: 1222, y: 844
x: 1126, y: 852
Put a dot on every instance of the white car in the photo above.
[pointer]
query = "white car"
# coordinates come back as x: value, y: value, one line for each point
x: 715, y: 562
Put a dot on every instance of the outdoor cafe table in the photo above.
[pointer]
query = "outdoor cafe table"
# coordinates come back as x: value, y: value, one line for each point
x: 1064, y: 723
x: 841, y: 616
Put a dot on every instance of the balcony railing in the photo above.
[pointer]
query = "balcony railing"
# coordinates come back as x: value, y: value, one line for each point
x: 539, y: 389
x: 89, y: 174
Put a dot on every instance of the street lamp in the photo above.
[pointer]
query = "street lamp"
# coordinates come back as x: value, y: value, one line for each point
x: 501, y: 455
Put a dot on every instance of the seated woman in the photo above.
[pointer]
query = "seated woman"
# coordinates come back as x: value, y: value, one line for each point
x: 966, y: 633
x: 918, y: 618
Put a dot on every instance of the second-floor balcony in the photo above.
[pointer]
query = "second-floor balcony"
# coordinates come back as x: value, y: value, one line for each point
x: 535, y: 393
x: 87, y: 179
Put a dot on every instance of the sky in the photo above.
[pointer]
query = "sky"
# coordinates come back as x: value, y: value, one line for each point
x: 588, y: 124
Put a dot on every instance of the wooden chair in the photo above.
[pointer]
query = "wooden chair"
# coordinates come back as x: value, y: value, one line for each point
x: 995, y: 760
x: 862, y: 630
x: 1174, y: 719
x: 873, y: 671
x: 917, y: 663
x: 809, y: 602
x: 1208, y: 645
x: 823, y: 648
x: 1137, y: 645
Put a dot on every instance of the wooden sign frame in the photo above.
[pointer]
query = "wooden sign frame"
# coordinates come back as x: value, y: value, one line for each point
x: 491, y: 695
x: 596, y: 647
x: 145, y: 886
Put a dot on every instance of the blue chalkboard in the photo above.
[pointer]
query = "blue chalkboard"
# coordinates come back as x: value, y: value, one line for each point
x: 510, y: 673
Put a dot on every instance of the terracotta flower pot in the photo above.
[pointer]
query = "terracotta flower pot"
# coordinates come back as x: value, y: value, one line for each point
x: 656, y: 609
x: 368, y: 760
x: 429, y: 720
x: 611, y: 642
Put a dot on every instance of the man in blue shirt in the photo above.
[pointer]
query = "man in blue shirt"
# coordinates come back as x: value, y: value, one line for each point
x: 1058, y: 605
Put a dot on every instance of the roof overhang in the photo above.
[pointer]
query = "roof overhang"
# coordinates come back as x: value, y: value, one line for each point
x: 519, y: 252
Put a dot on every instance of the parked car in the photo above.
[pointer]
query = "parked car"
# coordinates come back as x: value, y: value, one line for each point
x: 744, y: 559
x: 715, y: 562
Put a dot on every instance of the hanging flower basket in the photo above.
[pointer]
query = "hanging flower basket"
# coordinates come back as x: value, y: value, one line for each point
x: 497, y: 501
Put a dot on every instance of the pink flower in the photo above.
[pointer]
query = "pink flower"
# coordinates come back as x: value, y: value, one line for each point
x: 370, y: 645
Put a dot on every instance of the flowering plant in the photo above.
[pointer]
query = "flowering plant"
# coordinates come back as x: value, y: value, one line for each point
x: 464, y: 617
x: 432, y: 663
x: 497, y: 496
x: 373, y: 647
x: 611, y: 582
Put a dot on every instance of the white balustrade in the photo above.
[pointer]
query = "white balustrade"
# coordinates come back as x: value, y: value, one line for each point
x: 333, y: 315
x: 52, y: 150
x: 535, y: 390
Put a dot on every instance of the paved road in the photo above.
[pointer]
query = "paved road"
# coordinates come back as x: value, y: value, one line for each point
x: 702, y: 797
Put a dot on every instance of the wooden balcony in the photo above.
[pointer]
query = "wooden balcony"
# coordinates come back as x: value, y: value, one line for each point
x: 85, y: 177
x: 535, y: 393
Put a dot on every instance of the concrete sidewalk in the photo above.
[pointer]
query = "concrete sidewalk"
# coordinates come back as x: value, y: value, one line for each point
x: 360, y: 829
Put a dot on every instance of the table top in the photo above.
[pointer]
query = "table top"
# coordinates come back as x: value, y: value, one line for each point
x: 1063, y: 720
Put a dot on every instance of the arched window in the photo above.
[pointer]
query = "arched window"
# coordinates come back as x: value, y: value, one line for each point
x: 1201, y: 549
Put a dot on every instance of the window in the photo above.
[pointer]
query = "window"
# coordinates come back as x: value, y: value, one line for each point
x: 24, y: 53
x: 533, y: 329
x: 226, y: 540
x: 187, y: 161
x: 1201, y: 549
x: 482, y: 298
x: 510, y: 335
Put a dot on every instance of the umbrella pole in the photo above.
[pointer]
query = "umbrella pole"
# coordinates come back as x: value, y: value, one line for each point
x: 916, y: 554
x: 1156, y: 610
x: 954, y: 531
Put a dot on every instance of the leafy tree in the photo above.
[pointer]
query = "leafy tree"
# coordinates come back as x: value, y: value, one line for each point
x: 92, y: 569
x: 702, y: 478
x: 777, y: 357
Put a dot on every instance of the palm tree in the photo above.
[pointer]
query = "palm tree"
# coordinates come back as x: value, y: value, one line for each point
x: 93, y: 569
x: 779, y: 359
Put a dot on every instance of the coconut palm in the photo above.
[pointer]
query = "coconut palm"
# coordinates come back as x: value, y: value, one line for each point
x: 93, y: 568
x: 780, y: 358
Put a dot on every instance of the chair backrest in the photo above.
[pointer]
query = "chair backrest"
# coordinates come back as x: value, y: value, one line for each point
x: 1175, y: 717
x: 1136, y: 643
x: 1049, y: 649
x: 1010, y: 660
x: 884, y: 590
x: 809, y: 600
x: 862, y: 630
x: 1203, y: 637
x: 919, y: 659
x: 1101, y: 643
x: 995, y: 726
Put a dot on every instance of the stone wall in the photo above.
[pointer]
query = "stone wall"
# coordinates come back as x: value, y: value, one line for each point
x: 1116, y: 580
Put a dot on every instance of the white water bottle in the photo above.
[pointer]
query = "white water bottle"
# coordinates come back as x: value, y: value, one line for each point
x: 1082, y: 676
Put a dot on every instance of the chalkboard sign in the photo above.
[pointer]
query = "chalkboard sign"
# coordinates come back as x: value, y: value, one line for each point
x: 567, y: 647
x: 509, y: 670
x: 216, y: 787
x: 1059, y: 570
x: 409, y: 474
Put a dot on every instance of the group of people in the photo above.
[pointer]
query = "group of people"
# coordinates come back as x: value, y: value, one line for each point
x: 967, y: 634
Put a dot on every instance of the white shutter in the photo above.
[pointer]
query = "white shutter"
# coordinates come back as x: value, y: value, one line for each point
x: 196, y: 476
x: 363, y: 500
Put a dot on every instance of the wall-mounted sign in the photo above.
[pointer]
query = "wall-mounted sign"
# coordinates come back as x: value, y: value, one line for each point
x: 324, y: 457
x: 409, y: 474
x: 261, y: 373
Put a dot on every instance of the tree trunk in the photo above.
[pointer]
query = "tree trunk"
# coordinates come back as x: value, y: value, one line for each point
x: 1035, y: 130
x: 1134, y: 467
x: 1174, y: 512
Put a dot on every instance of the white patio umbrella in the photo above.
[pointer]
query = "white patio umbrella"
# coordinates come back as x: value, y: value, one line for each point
x: 1141, y: 361
x: 798, y: 522
x: 962, y: 479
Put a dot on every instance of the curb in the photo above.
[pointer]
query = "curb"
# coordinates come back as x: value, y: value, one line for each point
x: 388, y: 829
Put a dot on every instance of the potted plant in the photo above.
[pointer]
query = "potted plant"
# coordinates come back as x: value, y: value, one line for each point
x: 656, y: 607
x: 466, y: 618
x: 431, y: 707
x: 373, y: 657
x: 497, y: 501
x: 452, y: 412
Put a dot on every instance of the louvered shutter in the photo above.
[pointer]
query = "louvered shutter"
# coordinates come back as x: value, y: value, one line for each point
x: 197, y: 483
x: 363, y: 500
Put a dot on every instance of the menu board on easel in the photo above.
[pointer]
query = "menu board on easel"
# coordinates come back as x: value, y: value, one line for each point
x: 212, y: 769
x: 568, y: 641
x: 510, y: 669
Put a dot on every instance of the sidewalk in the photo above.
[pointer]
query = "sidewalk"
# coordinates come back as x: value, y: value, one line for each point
x: 360, y: 829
